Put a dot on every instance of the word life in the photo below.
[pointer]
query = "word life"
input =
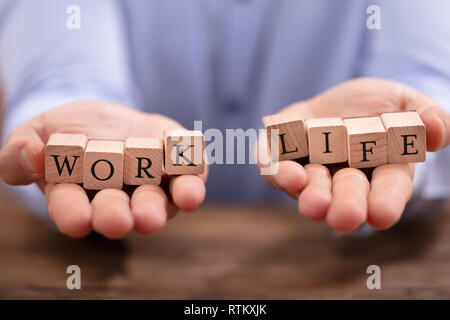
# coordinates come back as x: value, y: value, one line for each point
x: 363, y: 142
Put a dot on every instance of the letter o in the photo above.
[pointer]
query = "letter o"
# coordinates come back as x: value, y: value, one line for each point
x: 111, y: 170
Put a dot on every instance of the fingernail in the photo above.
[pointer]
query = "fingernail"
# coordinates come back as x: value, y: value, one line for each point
x: 25, y: 161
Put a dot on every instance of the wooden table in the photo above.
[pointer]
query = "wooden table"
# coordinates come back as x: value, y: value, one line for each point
x: 224, y: 252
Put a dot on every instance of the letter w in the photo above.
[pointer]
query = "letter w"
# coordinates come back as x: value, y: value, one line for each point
x: 65, y: 163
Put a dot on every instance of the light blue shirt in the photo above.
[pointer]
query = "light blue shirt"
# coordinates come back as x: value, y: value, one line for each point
x: 224, y: 62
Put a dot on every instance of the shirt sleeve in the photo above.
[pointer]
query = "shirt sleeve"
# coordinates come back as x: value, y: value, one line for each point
x: 413, y: 47
x: 44, y: 62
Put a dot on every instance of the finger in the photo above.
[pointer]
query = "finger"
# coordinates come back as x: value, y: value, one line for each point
x: 348, y: 208
x: 391, y: 188
x: 22, y: 158
x: 435, y: 118
x: 187, y: 191
x: 111, y: 215
x: 315, y: 199
x: 291, y: 177
x: 149, y: 206
x: 73, y: 220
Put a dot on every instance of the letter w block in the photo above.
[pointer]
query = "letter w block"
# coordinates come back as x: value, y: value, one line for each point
x: 64, y: 155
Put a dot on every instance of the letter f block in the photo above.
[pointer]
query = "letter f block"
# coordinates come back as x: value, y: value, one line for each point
x: 367, y: 142
x: 292, y: 142
x: 183, y: 152
x: 406, y: 137
x: 64, y: 155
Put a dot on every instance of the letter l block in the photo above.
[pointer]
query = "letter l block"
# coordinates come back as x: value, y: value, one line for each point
x: 292, y: 142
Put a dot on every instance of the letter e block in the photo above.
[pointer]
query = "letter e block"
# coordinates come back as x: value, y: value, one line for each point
x: 143, y: 161
x: 406, y: 138
x: 291, y: 134
x: 327, y: 140
x: 367, y: 142
x: 64, y: 158
x: 183, y: 152
x: 103, y: 165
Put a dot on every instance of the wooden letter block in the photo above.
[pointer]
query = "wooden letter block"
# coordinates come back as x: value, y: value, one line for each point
x: 183, y: 152
x: 291, y: 134
x: 327, y: 140
x: 406, y: 138
x: 367, y: 142
x: 64, y: 158
x: 103, y: 165
x: 143, y: 161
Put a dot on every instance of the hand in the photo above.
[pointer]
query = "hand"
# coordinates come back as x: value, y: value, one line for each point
x: 112, y: 213
x: 345, y: 196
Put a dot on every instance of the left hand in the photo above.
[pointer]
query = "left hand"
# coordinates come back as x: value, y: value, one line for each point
x: 347, y: 197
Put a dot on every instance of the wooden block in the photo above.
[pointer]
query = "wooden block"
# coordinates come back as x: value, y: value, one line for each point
x: 183, y: 152
x: 291, y: 134
x: 327, y: 140
x: 143, y: 161
x: 64, y: 155
x: 406, y: 138
x: 367, y: 142
x: 103, y: 165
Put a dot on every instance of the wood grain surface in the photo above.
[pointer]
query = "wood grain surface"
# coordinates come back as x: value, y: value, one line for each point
x: 224, y: 252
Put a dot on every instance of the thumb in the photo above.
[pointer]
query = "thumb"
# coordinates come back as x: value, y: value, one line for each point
x: 23, y: 156
x: 435, y: 118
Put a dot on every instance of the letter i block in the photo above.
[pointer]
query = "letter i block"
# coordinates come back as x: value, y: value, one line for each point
x: 291, y: 135
x: 143, y: 161
x: 327, y: 140
x: 64, y: 158
x: 367, y: 142
x: 103, y: 165
x: 406, y: 138
x: 183, y: 152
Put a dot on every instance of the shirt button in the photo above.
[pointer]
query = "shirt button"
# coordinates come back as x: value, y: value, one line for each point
x: 233, y: 107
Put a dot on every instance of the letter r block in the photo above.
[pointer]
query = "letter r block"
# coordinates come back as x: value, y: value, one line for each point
x: 291, y: 135
x: 103, y: 165
x: 367, y: 142
x: 143, y: 161
x: 64, y: 158
x: 183, y: 152
x: 327, y: 140
x: 406, y: 138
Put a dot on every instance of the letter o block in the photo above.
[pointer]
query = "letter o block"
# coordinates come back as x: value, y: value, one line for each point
x: 64, y: 158
x: 406, y: 137
x: 103, y: 165
x: 367, y: 142
x: 183, y: 152
x: 143, y: 161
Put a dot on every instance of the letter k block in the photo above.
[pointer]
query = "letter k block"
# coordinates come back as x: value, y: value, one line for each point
x: 367, y: 142
x: 183, y: 152
x: 64, y: 155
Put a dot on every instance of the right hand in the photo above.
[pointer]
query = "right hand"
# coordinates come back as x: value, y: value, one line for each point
x: 112, y: 213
